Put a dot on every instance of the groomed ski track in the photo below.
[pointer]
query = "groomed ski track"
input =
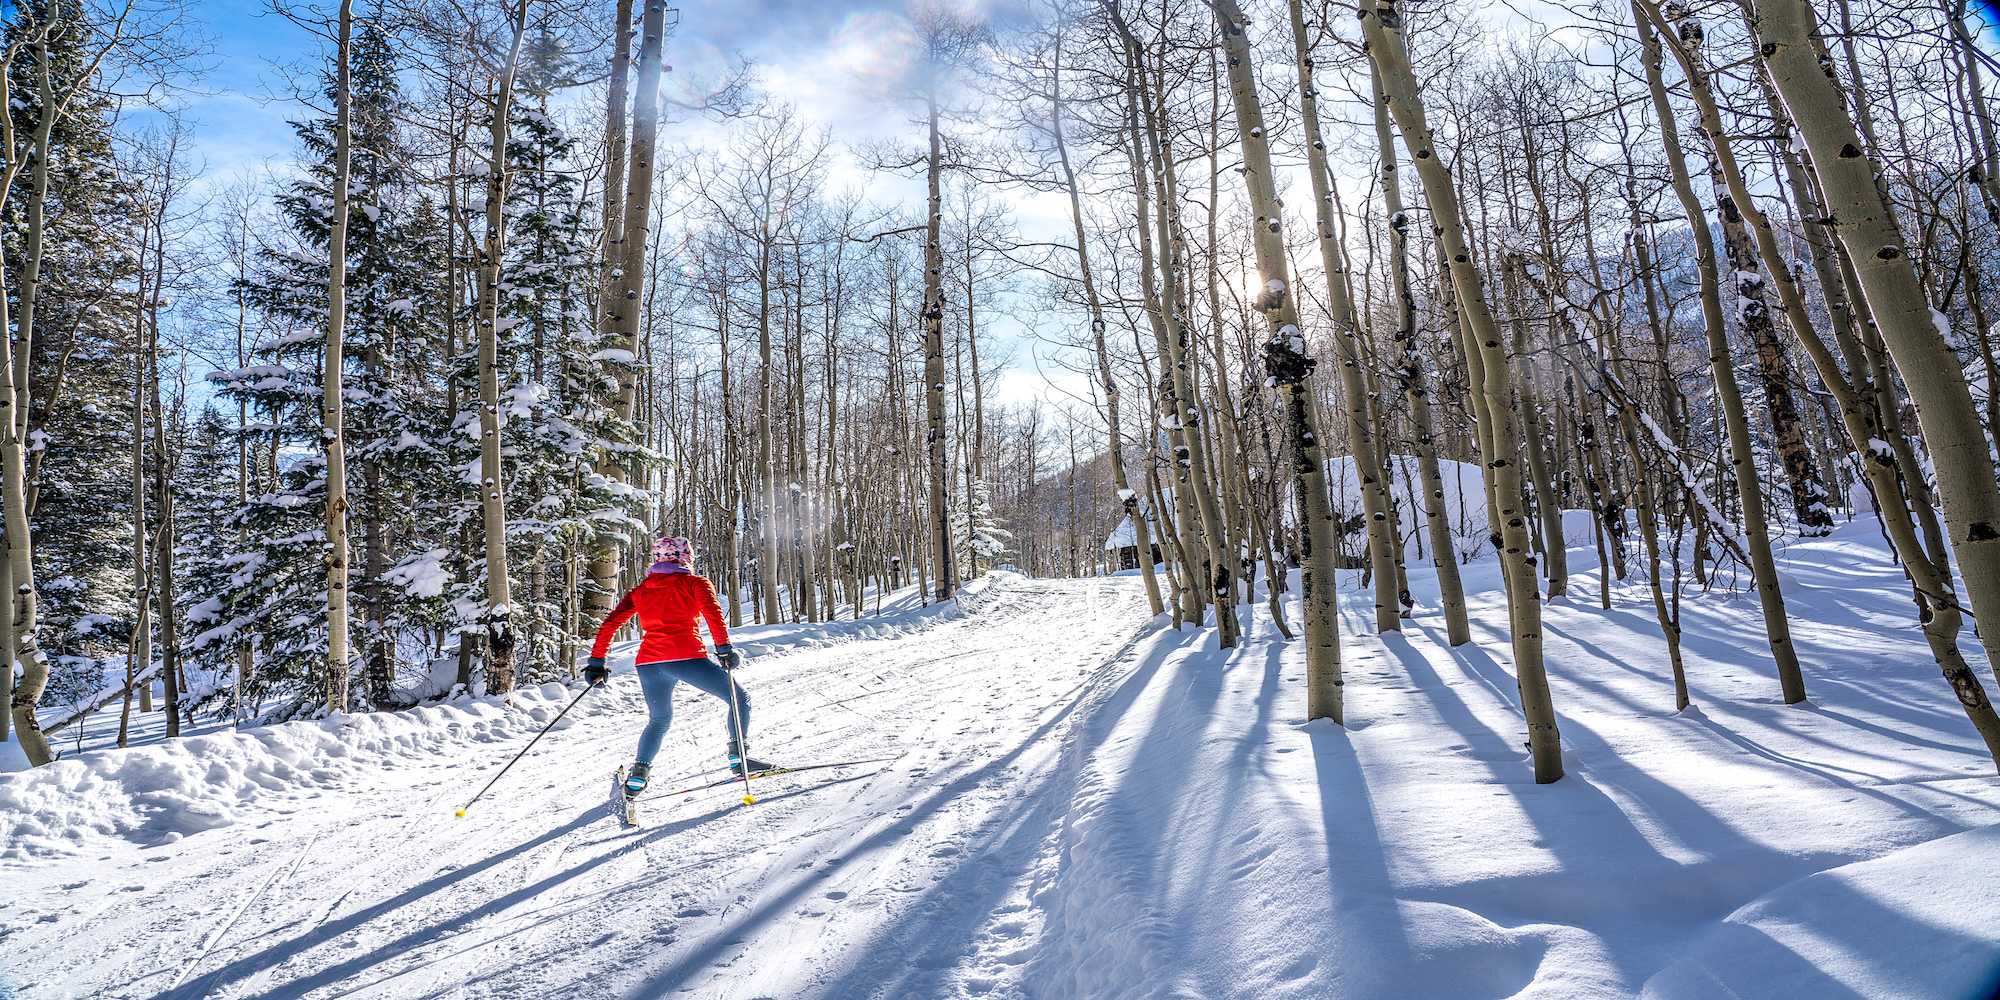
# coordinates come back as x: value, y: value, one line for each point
x: 880, y: 880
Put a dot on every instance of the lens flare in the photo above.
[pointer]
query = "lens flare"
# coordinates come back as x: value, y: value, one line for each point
x: 876, y: 47
x: 699, y: 71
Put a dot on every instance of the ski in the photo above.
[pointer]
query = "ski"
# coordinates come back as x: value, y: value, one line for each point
x: 767, y: 773
x: 623, y: 806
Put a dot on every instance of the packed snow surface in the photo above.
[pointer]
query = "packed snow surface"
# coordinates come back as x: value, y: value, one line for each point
x: 1079, y: 801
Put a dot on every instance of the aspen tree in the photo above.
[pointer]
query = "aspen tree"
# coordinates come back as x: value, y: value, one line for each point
x: 1985, y: 171
x: 1743, y: 465
x: 1382, y: 24
x: 1232, y: 453
x: 1290, y: 371
x: 1747, y: 240
x: 946, y: 37
x: 164, y: 462
x: 14, y: 354
x: 1410, y: 371
x: 1179, y: 400
x: 1667, y: 614
x: 139, y: 648
x: 332, y: 440
x: 1190, y: 598
x: 1128, y: 498
x: 1547, y: 502
x: 498, y: 618
x: 1361, y: 438
x: 1865, y: 225
x: 619, y: 311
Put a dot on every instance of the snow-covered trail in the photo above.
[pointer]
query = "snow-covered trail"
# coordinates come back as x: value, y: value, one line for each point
x: 886, y: 879
x: 1083, y: 803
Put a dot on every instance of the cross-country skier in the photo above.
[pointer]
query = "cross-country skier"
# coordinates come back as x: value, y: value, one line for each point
x: 668, y: 604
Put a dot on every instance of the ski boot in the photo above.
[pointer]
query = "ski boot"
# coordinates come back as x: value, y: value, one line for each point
x: 742, y: 763
x: 635, y: 780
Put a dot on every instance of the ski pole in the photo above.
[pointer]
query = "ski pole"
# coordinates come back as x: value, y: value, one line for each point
x: 742, y: 749
x: 530, y: 746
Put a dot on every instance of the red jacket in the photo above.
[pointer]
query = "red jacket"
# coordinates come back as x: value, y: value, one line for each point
x: 667, y: 605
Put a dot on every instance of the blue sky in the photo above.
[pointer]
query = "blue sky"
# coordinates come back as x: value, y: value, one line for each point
x: 813, y: 53
x: 826, y: 57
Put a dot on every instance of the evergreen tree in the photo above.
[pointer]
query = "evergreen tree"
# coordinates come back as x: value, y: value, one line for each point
x: 978, y: 537
x: 399, y: 455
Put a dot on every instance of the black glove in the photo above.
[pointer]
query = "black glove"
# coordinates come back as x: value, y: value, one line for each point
x: 595, y: 672
x: 726, y: 655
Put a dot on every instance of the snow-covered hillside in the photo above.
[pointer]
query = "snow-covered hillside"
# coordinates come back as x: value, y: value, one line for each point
x: 1079, y: 802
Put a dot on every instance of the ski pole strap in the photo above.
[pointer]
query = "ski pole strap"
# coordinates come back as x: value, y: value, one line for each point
x: 525, y: 749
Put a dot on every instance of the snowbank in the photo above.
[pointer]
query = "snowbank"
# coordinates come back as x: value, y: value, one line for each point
x: 1464, y: 501
x: 159, y: 794
x: 1919, y: 924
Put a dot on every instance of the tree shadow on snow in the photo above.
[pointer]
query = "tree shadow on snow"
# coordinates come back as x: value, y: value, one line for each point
x: 278, y: 948
x: 889, y: 958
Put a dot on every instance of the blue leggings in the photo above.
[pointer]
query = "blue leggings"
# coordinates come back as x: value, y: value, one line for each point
x: 657, y: 681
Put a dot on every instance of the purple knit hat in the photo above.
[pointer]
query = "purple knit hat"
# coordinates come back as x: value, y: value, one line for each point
x: 673, y: 554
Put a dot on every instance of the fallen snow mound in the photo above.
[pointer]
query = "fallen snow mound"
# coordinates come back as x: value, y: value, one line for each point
x: 159, y: 794
x: 1914, y: 924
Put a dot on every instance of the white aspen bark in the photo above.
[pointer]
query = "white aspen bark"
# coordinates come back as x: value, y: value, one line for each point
x: 139, y: 648
x: 1203, y: 517
x: 1763, y: 568
x: 621, y: 308
x: 7, y: 658
x: 1743, y: 223
x: 769, y: 560
x: 332, y: 433
x: 602, y: 553
x: 1444, y: 555
x: 1290, y: 370
x: 163, y: 509
x: 14, y: 353
x: 614, y: 149
x: 1127, y: 497
x: 1361, y: 441
x: 1382, y: 23
x: 498, y: 618
x: 1187, y: 597
x: 945, y: 580
x: 1985, y: 172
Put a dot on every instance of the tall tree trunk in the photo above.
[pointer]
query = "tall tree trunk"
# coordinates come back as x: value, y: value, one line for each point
x: 1743, y: 464
x: 1290, y: 369
x: 769, y: 502
x: 1868, y: 228
x: 498, y: 618
x: 1361, y: 444
x: 163, y: 510
x: 1218, y: 575
x: 1382, y: 23
x: 619, y: 322
x: 1128, y: 498
x: 944, y: 582
x: 1191, y: 597
x: 332, y: 433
